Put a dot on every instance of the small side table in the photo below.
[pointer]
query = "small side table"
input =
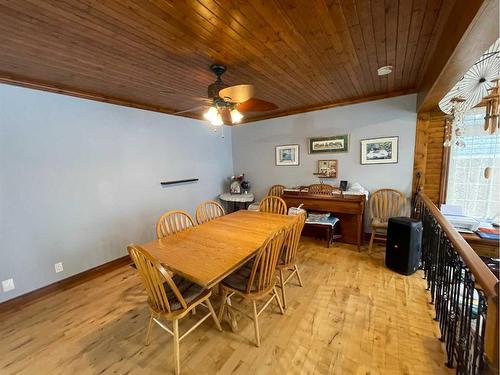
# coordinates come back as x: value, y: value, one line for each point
x: 237, y: 199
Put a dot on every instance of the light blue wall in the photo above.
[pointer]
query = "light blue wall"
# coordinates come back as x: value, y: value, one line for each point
x: 79, y: 180
x: 254, y: 145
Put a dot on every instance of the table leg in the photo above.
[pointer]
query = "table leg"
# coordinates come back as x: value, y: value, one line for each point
x: 360, y: 231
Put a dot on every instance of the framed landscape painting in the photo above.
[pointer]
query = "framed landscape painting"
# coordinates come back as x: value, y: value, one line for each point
x: 337, y: 143
x: 287, y: 155
x: 379, y: 150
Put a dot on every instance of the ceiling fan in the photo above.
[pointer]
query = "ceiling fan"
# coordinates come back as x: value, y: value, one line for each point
x: 226, y: 104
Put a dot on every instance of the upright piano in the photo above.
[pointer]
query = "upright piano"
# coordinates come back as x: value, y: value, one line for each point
x: 348, y: 208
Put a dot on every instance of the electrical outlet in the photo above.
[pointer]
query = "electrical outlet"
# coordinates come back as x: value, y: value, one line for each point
x: 58, y: 267
x: 8, y: 285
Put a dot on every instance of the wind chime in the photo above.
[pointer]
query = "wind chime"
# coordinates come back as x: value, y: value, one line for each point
x: 491, y: 123
x: 454, y: 124
x: 480, y: 83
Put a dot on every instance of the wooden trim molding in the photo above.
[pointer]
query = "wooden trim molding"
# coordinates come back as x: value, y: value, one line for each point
x: 471, y: 29
x: 37, y: 85
x: 431, y: 160
x: 68, y: 283
x: 445, y: 168
x: 9, y: 79
x: 420, y: 157
x: 339, y: 103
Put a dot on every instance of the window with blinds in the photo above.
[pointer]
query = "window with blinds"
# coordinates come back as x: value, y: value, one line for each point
x: 467, y: 185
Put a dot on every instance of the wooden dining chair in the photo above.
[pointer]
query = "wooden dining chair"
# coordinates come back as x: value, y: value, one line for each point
x: 276, y: 190
x: 208, y: 210
x: 321, y: 189
x: 170, y: 298
x: 384, y: 204
x: 273, y: 205
x: 172, y: 222
x: 255, y: 281
x: 288, y: 258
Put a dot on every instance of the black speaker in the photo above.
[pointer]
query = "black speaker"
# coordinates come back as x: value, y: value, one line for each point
x: 403, y: 248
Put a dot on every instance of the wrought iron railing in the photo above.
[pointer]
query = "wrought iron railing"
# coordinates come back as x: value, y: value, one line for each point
x: 460, y: 286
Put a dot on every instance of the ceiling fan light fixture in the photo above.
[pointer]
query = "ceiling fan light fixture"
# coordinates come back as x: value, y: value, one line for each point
x: 236, y: 116
x: 217, y: 121
x: 211, y: 114
x: 384, y: 70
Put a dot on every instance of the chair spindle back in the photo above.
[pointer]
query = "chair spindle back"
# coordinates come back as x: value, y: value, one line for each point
x: 208, y: 210
x: 291, y: 242
x: 386, y: 203
x: 276, y: 190
x: 321, y: 189
x: 172, y: 222
x: 154, y: 276
x: 273, y: 205
x: 263, y: 276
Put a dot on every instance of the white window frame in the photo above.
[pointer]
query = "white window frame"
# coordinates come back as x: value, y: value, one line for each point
x: 475, y: 194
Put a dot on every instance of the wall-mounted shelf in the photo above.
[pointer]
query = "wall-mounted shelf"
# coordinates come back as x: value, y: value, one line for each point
x: 166, y: 183
x: 321, y: 175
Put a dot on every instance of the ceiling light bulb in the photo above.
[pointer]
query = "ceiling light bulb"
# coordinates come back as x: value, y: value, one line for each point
x: 384, y: 70
x: 217, y: 121
x: 211, y: 114
x: 236, y: 116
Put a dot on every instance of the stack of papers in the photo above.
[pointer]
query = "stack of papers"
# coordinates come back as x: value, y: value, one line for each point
x: 322, y: 219
x: 461, y: 223
x: 489, y: 233
x: 316, y: 216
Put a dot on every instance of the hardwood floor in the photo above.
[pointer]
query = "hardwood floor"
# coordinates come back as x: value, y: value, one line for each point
x: 353, y: 316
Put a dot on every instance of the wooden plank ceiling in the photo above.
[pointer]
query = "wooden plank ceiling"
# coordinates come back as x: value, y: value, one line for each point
x: 155, y: 54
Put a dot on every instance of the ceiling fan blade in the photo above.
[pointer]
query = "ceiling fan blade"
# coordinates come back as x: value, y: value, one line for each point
x: 193, y: 109
x: 256, y: 105
x: 237, y: 94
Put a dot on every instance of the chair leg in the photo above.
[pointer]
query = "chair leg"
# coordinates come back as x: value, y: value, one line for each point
x: 176, y: 347
x: 214, y: 316
x: 193, y: 311
x: 282, y: 286
x: 298, y: 275
x: 278, y: 300
x: 223, y: 303
x: 372, y: 237
x: 150, y: 327
x: 231, y: 316
x: 256, y: 323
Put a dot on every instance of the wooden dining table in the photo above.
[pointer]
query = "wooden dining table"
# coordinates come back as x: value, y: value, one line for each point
x: 207, y: 253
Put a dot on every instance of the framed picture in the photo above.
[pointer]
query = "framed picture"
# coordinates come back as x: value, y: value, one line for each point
x: 287, y: 155
x: 379, y: 150
x: 337, y: 143
x: 328, y: 168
